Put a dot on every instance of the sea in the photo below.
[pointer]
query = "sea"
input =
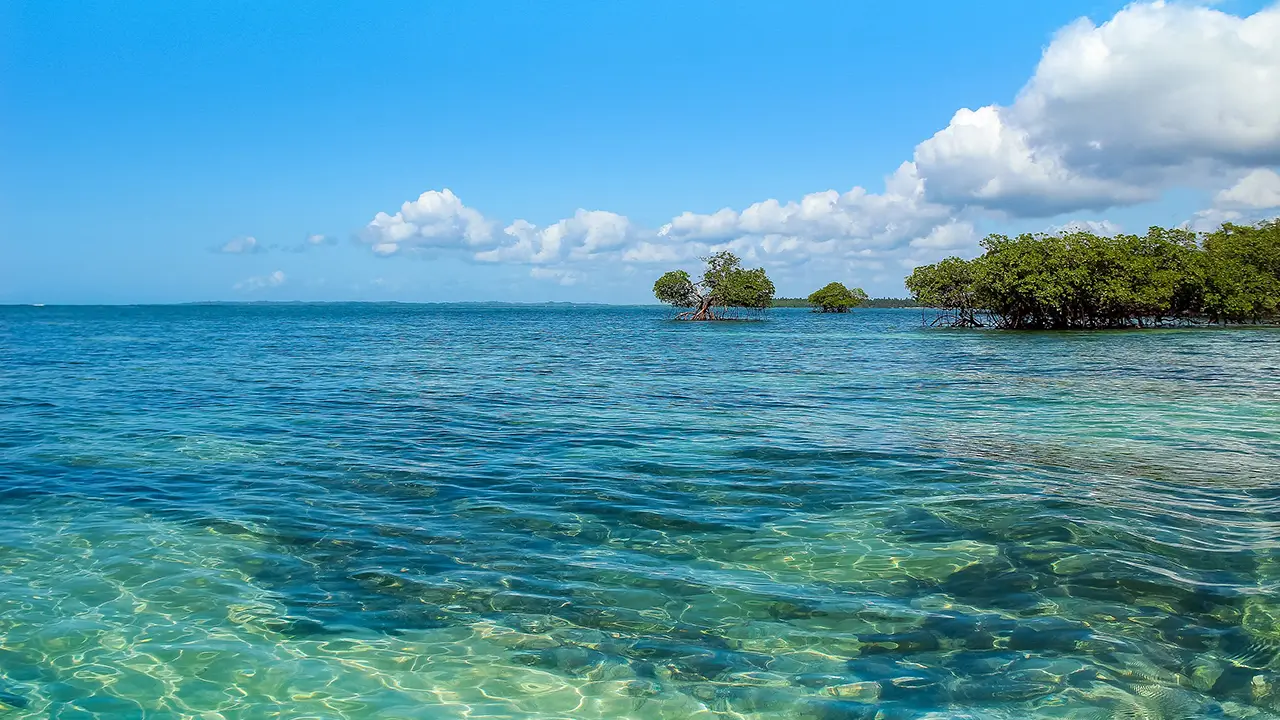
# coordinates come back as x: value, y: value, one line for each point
x: 342, y: 511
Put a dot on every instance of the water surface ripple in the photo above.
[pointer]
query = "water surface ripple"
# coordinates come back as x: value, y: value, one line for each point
x: 391, y: 511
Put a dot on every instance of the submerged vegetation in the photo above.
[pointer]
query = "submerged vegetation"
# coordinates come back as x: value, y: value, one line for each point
x: 725, y: 289
x: 836, y: 298
x: 1084, y: 280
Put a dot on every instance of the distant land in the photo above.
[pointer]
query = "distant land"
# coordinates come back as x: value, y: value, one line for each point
x: 870, y: 303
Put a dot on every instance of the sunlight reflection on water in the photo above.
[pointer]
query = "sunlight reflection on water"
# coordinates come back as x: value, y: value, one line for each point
x: 364, y: 511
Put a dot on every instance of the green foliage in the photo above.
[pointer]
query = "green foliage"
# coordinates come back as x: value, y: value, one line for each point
x: 948, y: 285
x: 724, y: 284
x: 1083, y: 280
x: 676, y: 288
x: 835, y: 297
x: 1240, y: 272
x: 721, y: 267
x: 740, y: 288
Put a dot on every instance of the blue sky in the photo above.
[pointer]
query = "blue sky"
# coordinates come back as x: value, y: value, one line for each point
x: 144, y: 142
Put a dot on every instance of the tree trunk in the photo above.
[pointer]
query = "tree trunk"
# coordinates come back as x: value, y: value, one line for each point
x: 704, y: 311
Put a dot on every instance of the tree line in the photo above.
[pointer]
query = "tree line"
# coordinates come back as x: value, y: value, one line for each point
x: 1083, y: 280
x: 1067, y: 280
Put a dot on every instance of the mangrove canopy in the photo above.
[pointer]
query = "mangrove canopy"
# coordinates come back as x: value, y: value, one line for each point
x: 724, y: 286
x: 836, y: 298
x: 1084, y: 280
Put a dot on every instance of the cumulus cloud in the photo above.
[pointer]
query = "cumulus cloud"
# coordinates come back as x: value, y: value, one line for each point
x: 587, y: 234
x: 241, y: 245
x: 660, y: 252
x: 857, y: 214
x: 829, y: 224
x: 947, y: 237
x: 956, y: 237
x: 1160, y: 93
x: 1211, y: 219
x: 1255, y: 196
x: 1257, y: 190
x: 435, y: 219
x: 259, y: 282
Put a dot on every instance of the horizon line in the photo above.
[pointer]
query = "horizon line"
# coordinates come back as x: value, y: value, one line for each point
x: 513, y: 303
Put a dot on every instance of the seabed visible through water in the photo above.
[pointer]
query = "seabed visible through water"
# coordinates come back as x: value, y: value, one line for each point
x: 389, y: 511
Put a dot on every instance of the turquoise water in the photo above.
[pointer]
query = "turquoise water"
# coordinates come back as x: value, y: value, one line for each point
x: 387, y: 511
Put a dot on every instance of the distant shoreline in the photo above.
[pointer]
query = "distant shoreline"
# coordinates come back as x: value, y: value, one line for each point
x: 881, y: 303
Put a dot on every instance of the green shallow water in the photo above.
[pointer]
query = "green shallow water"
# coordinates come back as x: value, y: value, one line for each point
x: 368, y: 511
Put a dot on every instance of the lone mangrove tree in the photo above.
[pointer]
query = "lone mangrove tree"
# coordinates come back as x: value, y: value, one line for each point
x: 836, y: 298
x: 724, y: 286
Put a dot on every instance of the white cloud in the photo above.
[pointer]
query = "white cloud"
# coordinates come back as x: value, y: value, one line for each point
x: 1211, y: 219
x: 1257, y: 190
x: 585, y: 235
x: 1255, y: 196
x: 984, y: 159
x: 858, y: 215
x: 435, y: 219
x: 947, y: 237
x: 1162, y: 93
x: 259, y: 282
x: 241, y: 245
x: 829, y: 224
x: 854, y: 231
x: 716, y: 226
x: 660, y: 252
x: 957, y: 237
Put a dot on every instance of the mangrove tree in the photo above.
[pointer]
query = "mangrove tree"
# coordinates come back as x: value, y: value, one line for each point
x: 836, y: 298
x: 725, y: 286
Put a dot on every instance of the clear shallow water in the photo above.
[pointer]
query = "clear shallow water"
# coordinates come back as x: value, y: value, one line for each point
x: 364, y: 511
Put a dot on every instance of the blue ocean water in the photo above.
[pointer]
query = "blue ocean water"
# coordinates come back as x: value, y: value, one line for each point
x: 414, y: 511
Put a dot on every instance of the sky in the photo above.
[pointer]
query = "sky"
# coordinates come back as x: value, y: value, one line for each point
x: 155, y: 152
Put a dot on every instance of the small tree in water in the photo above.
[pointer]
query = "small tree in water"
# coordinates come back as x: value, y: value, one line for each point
x: 724, y: 284
x: 836, y: 298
